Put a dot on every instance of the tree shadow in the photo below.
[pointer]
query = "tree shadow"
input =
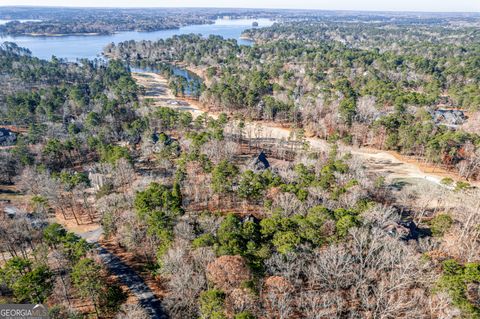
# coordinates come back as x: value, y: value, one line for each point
x: 398, y: 185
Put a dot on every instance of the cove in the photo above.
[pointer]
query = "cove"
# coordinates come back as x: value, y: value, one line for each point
x: 75, y: 47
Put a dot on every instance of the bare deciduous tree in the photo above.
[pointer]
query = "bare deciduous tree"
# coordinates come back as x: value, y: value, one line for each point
x: 132, y: 311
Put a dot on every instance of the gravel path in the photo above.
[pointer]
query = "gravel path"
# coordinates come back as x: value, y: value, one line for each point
x: 375, y: 160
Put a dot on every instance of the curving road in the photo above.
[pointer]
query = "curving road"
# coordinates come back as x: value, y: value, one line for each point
x: 146, y: 298
x: 375, y: 160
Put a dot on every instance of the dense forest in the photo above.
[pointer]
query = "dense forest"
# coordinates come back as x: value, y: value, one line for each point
x: 70, y: 114
x: 54, y: 21
x: 366, y: 84
x: 116, y: 203
x: 65, y: 21
x: 48, y: 21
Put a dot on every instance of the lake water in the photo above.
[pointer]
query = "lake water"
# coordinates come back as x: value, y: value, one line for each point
x: 73, y: 47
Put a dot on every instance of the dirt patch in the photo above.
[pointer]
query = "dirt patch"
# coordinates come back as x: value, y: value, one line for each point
x: 70, y: 224
x: 391, y: 164
x: 156, y: 86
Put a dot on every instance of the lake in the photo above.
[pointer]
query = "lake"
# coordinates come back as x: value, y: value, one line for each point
x: 76, y: 46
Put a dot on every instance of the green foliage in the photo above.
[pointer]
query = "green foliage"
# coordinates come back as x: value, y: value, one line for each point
x: 22, y: 153
x: 455, y: 279
x: 36, y: 131
x: 53, y: 234
x: 39, y: 203
x: 212, y: 304
x: 70, y: 244
x: 74, y: 247
x: 231, y: 237
x: 285, y: 241
x: 223, y: 177
x: 64, y: 93
x: 21, y: 107
x: 159, y: 206
x: 13, y: 269
x: 34, y: 286
x: 57, y: 154
x: 344, y: 223
x: 419, y: 134
x: 93, y: 119
x: 287, y: 233
x: 108, y: 223
x: 308, y: 177
x: 440, y: 224
x: 62, y: 312
x: 256, y: 240
x: 29, y: 283
x: 244, y: 315
x: 72, y: 179
x: 112, y: 153
x: 447, y: 181
x: 158, y: 197
x: 111, y: 298
x: 204, y: 240
x: 171, y: 119
x: 348, y: 109
x: 87, y: 280
x: 252, y: 185
x: 301, y: 193
x: 237, y: 237
x: 281, y: 232
x: 310, y: 227
x: 461, y: 186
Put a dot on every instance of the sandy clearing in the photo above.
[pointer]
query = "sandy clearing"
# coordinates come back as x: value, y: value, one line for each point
x: 391, y: 164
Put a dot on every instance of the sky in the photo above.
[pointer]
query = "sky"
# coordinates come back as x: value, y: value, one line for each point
x: 367, y: 5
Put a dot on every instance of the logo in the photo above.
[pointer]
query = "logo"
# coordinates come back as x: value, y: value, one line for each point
x: 23, y: 311
x: 40, y: 310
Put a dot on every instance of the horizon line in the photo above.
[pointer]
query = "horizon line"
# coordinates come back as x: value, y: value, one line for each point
x: 237, y: 8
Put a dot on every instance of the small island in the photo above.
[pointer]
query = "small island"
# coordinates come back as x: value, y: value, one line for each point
x: 80, y: 21
x: 255, y: 24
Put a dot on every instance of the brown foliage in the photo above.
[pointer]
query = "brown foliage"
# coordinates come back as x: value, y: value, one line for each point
x: 241, y: 299
x: 228, y: 272
x: 278, y: 285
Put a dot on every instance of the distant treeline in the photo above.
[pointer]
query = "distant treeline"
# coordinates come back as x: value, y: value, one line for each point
x: 103, y: 24
x: 352, y: 81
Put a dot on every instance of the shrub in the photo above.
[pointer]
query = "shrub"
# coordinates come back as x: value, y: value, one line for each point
x: 244, y: 315
x: 440, y: 224
x: 203, y: 240
x: 211, y: 304
x: 456, y: 280
x: 111, y: 299
x: 112, y: 153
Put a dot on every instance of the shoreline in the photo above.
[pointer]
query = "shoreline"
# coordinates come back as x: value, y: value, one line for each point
x: 35, y: 35
x: 393, y: 164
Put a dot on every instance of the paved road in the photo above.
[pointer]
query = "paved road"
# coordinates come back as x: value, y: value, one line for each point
x: 135, y: 284
x: 128, y: 276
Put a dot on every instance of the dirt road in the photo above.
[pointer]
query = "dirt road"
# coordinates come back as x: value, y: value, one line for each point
x: 391, y: 165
